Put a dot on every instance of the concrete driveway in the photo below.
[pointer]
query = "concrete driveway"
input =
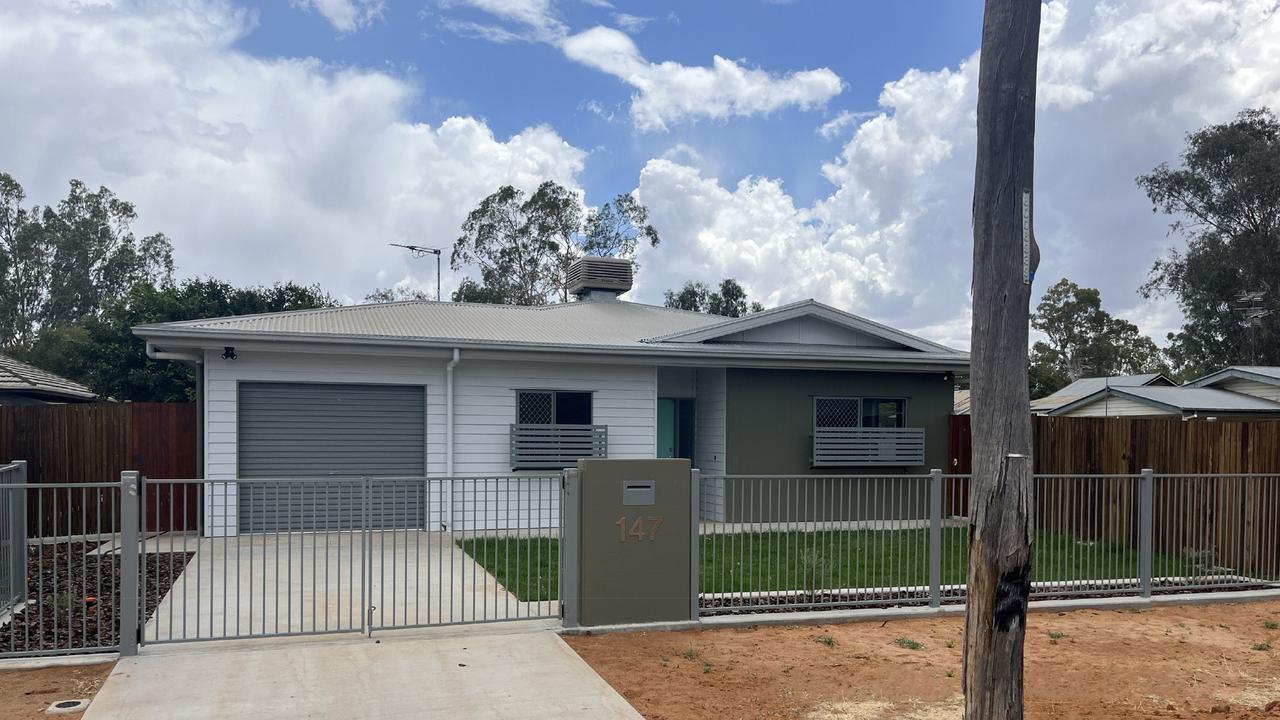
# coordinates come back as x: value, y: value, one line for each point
x: 506, y: 670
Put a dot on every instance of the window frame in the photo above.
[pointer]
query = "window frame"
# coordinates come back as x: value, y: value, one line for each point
x: 553, y: 392
x: 859, y: 399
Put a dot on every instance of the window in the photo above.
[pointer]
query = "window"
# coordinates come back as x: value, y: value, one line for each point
x: 883, y: 413
x: 553, y: 407
x: 843, y: 412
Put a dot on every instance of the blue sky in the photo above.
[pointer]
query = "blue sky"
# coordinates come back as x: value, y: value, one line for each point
x: 805, y: 148
x: 518, y: 84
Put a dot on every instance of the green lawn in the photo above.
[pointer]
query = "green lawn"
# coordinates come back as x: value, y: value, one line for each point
x: 752, y: 562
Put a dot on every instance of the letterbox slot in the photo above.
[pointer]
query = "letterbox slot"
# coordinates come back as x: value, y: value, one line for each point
x: 638, y: 492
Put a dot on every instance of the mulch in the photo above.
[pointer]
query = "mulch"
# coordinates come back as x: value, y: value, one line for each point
x: 74, y: 597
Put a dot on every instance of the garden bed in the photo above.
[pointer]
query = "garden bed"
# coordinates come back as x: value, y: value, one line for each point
x: 73, y: 597
x: 1218, y: 661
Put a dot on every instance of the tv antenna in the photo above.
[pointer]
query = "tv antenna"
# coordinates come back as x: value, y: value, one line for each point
x: 420, y: 251
x: 1251, y: 308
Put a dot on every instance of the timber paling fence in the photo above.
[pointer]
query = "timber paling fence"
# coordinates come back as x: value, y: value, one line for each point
x: 770, y: 543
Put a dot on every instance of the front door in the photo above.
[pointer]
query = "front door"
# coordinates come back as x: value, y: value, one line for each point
x: 675, y: 428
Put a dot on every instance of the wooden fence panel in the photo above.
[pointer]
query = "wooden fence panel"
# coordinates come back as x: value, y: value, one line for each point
x: 93, y: 443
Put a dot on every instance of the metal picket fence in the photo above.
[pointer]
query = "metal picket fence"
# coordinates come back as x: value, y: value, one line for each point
x: 770, y: 543
x: 13, y: 539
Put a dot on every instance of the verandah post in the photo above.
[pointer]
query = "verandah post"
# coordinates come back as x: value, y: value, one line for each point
x: 1146, y: 496
x: 129, y: 552
x: 935, y: 538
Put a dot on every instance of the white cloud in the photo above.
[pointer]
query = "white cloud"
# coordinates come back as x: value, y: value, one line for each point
x: 669, y: 92
x: 1121, y: 82
x: 258, y: 169
x: 345, y: 15
x: 631, y: 23
x: 666, y: 92
x: 843, y: 120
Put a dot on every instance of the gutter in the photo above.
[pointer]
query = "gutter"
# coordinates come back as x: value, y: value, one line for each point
x: 198, y: 361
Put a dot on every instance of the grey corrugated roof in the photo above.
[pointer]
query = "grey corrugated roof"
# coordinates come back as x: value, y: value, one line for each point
x: 604, y: 325
x: 16, y: 375
x: 1189, y: 399
x: 1261, y: 373
x: 1088, y: 386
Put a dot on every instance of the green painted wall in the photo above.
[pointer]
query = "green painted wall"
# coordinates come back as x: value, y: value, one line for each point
x: 770, y: 417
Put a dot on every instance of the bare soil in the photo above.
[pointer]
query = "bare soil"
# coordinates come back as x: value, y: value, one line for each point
x: 74, y: 597
x: 26, y: 694
x: 1218, y: 661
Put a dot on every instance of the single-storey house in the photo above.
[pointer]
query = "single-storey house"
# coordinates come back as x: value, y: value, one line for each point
x: 1237, y: 393
x: 24, y: 384
x: 1262, y: 381
x: 443, y: 389
x: 1088, y: 387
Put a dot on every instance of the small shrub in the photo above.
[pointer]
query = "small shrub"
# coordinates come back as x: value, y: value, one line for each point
x: 691, y: 653
x: 706, y: 667
x: 826, y: 640
x: 1055, y: 635
x: 951, y: 644
x: 951, y: 673
x: 1271, y: 624
x: 908, y: 644
x: 1261, y: 646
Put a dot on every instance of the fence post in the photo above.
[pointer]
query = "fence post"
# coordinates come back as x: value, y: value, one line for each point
x: 18, y: 548
x: 1146, y: 495
x: 695, y: 504
x: 935, y: 538
x: 129, y: 552
x: 569, y: 556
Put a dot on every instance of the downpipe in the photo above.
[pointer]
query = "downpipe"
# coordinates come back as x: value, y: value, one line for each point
x: 447, y: 520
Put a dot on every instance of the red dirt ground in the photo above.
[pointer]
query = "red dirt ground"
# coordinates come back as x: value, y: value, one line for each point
x: 1219, y: 661
x: 25, y: 694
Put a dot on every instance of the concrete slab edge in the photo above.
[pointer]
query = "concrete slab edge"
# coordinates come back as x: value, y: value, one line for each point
x: 38, y: 663
x: 832, y: 617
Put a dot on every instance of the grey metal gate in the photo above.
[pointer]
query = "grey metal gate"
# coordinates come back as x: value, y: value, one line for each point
x: 13, y: 537
x: 314, y: 430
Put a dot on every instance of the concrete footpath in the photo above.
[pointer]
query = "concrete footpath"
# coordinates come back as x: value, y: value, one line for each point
x: 509, y: 670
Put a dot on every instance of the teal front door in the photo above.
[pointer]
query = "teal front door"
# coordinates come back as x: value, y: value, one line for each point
x: 667, y: 435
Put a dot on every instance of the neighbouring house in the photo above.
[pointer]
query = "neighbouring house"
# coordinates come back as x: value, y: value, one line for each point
x: 458, y: 389
x: 1088, y: 387
x: 1237, y: 392
x: 960, y: 403
x: 23, y: 384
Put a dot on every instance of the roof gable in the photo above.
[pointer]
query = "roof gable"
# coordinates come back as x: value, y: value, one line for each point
x: 1258, y: 373
x: 806, y: 323
x: 1179, y: 399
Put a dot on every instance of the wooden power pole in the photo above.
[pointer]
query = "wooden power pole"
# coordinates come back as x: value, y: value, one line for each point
x: 1005, y: 258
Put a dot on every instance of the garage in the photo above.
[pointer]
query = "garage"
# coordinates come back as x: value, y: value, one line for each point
x: 329, y: 430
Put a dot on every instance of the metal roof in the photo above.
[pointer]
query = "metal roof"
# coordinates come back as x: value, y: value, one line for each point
x: 21, y: 377
x: 1088, y: 386
x: 1262, y: 373
x: 1183, y: 399
x: 585, y: 326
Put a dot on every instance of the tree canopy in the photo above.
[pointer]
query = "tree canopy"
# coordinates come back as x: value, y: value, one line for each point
x: 60, y: 264
x: 1084, y: 341
x: 102, y: 352
x: 524, y: 244
x: 730, y: 300
x: 1225, y: 201
x: 397, y: 294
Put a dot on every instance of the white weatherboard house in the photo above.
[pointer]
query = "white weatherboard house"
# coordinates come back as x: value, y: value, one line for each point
x: 429, y: 389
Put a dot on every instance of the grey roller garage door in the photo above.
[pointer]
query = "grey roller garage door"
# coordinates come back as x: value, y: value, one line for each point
x: 329, y: 430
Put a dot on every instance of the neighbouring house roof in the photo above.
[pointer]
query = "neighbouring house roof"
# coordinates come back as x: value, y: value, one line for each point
x: 21, y: 378
x: 960, y: 404
x: 1269, y: 374
x: 592, y: 326
x: 1181, y: 399
x: 1085, y: 387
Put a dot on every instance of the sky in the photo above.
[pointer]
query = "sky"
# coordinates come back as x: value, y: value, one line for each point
x: 805, y: 148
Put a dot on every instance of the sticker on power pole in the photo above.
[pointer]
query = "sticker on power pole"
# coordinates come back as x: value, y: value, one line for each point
x: 1027, y: 275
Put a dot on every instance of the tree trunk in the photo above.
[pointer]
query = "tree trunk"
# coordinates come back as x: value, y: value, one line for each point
x: 1000, y: 530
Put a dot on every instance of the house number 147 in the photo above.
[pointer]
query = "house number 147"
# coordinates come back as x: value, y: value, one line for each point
x: 642, y: 529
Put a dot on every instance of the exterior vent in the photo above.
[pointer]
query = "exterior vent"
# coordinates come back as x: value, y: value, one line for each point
x: 593, y: 278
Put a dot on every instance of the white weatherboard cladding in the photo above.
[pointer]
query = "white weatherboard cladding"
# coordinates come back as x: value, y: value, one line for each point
x: 809, y: 331
x: 1118, y: 407
x: 623, y: 397
x: 1244, y: 386
x: 223, y: 376
x: 710, y: 411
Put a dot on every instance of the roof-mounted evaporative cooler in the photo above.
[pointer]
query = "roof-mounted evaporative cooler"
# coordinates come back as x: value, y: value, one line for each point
x: 599, y: 278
